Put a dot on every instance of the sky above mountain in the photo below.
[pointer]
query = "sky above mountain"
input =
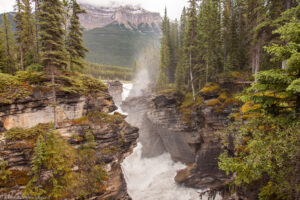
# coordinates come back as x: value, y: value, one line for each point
x: 174, y: 6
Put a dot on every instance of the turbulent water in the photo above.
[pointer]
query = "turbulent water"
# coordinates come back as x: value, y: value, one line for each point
x: 153, y: 178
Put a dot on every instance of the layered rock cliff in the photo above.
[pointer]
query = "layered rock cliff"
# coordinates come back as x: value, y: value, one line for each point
x: 133, y: 18
x: 186, y: 129
x: 80, y: 118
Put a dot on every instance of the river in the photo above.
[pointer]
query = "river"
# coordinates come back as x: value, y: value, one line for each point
x: 153, y: 178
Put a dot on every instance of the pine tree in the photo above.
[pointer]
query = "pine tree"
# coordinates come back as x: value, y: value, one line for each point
x: 19, y: 33
x: 66, y: 17
x: 165, y: 54
x: 52, y: 41
x: 174, y: 50
x: 9, y: 45
x: 209, y: 39
x: 3, y: 57
x: 180, y: 74
x: 29, y: 33
x: 191, y: 42
x: 74, y: 40
x: 36, y: 14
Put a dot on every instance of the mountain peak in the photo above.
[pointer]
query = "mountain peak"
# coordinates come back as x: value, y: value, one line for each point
x: 132, y: 17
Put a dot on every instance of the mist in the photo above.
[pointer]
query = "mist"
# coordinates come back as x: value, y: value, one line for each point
x: 146, y: 70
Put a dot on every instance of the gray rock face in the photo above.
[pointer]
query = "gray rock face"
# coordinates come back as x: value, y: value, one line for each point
x: 35, y: 110
x: 195, y: 143
x: 129, y: 16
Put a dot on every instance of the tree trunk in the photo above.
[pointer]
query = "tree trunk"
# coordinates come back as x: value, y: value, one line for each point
x: 21, y: 56
x: 257, y: 59
x: 71, y: 63
x: 37, y: 5
x: 29, y: 17
x: 191, y: 76
x: 9, y: 64
x: 206, y: 73
x: 284, y: 64
x: 53, y: 95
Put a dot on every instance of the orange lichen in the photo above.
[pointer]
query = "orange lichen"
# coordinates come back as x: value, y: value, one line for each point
x: 213, y: 102
x: 249, y: 106
x: 210, y: 88
x: 223, y: 96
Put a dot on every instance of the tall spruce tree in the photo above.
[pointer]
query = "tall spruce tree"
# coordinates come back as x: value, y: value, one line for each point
x: 29, y: 33
x: 165, y: 54
x: 74, y: 40
x: 36, y: 15
x: 190, y: 42
x: 9, y: 44
x: 3, y: 56
x: 19, y: 33
x: 52, y: 41
x: 180, y: 74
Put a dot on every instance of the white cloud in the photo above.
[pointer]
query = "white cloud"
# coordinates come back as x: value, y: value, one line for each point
x: 6, y: 5
x: 174, y: 6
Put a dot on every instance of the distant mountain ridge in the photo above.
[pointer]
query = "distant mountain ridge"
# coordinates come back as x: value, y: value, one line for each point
x: 115, y: 35
x: 133, y: 18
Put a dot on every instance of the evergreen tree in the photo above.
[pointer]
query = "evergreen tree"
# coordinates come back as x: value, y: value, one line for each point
x: 3, y: 56
x: 28, y: 29
x: 9, y: 45
x: 210, y: 57
x: 74, y: 41
x: 180, y: 74
x: 52, y: 41
x: 190, y: 42
x: 165, y: 54
x: 36, y: 14
x: 174, y: 50
x: 19, y: 33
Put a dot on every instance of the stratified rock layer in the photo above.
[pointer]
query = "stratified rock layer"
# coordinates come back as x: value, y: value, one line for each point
x: 35, y: 109
x: 194, y: 141
x: 131, y: 17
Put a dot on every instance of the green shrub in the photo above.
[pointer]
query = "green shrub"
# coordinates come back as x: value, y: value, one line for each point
x: 11, y: 88
x: 264, y: 151
x: 55, y: 156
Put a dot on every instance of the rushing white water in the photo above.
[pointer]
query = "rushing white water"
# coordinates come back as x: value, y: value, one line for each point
x: 153, y: 178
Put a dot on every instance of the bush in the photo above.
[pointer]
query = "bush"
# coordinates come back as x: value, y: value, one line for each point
x: 11, y: 89
x: 265, y: 151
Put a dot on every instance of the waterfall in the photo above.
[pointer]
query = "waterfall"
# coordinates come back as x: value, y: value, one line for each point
x: 153, y: 178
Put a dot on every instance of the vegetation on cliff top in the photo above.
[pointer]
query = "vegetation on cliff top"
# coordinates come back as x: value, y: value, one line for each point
x: 53, y: 160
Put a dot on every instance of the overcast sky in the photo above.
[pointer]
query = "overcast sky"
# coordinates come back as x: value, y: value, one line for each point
x: 174, y: 6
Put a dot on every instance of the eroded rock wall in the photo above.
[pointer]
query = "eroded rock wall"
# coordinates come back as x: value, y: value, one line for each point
x: 193, y: 141
x: 36, y: 109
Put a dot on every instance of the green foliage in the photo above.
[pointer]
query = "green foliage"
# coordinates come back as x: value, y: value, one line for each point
x: 189, y: 105
x: 18, y: 133
x: 51, y: 34
x: 105, y: 72
x: 11, y: 89
x: 74, y: 39
x: 35, y: 68
x: 8, y: 43
x: 83, y: 84
x: 267, y: 138
x: 90, y: 177
x: 4, y: 172
x: 97, y: 117
x: 264, y: 151
x: 31, y: 77
x: 55, y: 157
